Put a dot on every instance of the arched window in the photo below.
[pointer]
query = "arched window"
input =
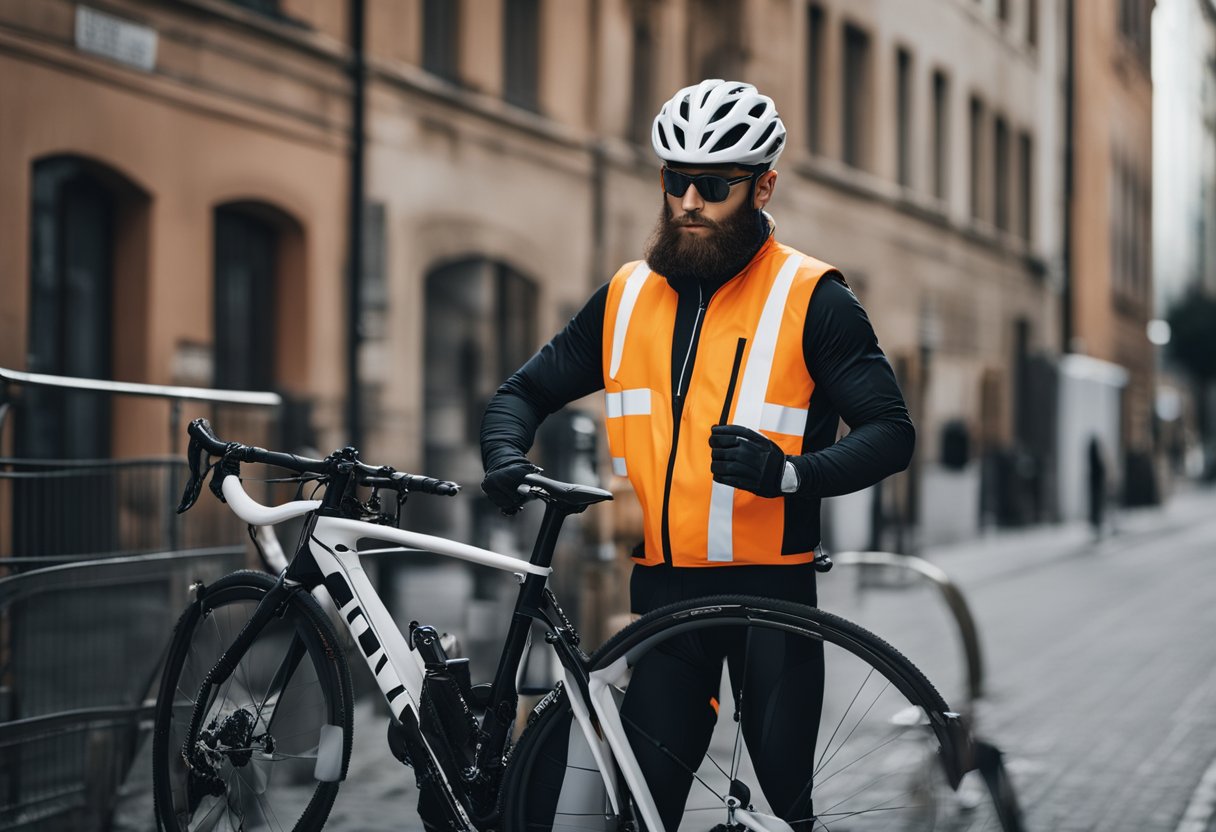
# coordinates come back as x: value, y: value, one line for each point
x: 246, y: 263
x: 83, y: 216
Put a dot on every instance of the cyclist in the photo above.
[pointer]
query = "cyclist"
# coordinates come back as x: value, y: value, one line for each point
x: 728, y: 360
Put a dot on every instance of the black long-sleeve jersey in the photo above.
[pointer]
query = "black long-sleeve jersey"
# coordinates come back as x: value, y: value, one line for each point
x: 853, y: 381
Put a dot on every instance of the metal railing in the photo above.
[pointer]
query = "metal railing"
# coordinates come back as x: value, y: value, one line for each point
x: 964, y: 621
x: 94, y: 569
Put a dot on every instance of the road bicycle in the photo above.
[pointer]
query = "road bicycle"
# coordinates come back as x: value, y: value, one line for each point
x: 253, y: 719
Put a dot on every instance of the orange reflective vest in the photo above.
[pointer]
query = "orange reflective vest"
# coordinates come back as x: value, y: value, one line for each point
x: 749, y: 365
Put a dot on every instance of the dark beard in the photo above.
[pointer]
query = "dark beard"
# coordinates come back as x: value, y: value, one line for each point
x: 681, y: 256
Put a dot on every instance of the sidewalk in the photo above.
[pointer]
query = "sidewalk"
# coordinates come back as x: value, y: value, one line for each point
x: 999, y: 552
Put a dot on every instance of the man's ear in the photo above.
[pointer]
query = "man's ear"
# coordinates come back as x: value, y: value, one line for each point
x: 765, y: 184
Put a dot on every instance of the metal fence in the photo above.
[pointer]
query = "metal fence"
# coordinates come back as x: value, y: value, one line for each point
x: 95, y: 567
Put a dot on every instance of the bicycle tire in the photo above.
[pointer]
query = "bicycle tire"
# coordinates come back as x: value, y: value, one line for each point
x: 551, y: 781
x: 286, y: 728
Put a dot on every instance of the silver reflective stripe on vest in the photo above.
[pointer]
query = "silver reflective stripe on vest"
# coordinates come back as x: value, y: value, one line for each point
x: 618, y: 466
x: 778, y: 419
x: 633, y: 287
x: 749, y: 406
x: 628, y: 403
x: 721, y: 523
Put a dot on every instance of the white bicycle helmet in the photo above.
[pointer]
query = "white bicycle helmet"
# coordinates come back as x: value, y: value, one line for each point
x: 718, y: 122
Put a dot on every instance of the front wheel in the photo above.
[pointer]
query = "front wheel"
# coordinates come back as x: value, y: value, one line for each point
x: 268, y: 748
x: 792, y: 714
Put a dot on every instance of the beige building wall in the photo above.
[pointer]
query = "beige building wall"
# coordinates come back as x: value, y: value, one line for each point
x: 235, y: 110
x: 568, y: 192
x: 1112, y: 208
x: 245, y: 106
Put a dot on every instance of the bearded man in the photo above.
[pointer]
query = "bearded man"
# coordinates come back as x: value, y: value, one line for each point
x: 728, y: 360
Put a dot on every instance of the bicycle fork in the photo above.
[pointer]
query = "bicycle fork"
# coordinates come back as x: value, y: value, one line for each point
x: 269, y: 607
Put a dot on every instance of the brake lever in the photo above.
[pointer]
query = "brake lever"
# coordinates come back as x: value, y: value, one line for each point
x: 194, y: 485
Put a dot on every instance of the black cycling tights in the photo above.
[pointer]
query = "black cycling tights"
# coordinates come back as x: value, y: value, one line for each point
x: 777, y: 680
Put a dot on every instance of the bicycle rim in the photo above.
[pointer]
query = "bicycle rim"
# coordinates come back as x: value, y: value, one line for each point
x: 879, y: 754
x: 275, y: 735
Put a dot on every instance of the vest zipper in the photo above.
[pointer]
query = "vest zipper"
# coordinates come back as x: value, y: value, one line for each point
x: 677, y: 412
x: 696, y: 330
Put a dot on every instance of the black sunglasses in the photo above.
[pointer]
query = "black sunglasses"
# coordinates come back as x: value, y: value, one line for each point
x: 711, y: 188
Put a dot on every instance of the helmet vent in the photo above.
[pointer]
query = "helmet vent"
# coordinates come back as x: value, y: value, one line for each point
x: 730, y: 138
x: 757, y: 111
x: 723, y: 111
x: 679, y: 134
x: 663, y: 137
x: 684, y: 109
x: 768, y: 131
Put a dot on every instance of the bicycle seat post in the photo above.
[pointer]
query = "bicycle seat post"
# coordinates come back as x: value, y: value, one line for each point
x: 550, y: 528
x: 504, y: 698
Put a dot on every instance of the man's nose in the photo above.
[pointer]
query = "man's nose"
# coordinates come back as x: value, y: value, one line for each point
x: 691, y: 201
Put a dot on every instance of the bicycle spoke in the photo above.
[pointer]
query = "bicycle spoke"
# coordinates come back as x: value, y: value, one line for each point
x: 272, y: 817
x: 672, y: 755
x: 843, y: 717
x: 283, y: 673
x: 878, y: 747
x: 844, y: 815
x: 882, y: 777
x: 204, y: 826
x: 734, y: 762
x: 860, y: 719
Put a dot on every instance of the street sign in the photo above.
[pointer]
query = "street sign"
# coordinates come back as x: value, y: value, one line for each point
x: 112, y: 37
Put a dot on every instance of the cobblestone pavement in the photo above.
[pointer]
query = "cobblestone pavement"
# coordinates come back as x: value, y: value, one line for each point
x: 1100, y: 670
x: 1101, y: 662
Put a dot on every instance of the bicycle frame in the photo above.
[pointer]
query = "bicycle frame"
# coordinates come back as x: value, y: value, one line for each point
x: 328, y: 556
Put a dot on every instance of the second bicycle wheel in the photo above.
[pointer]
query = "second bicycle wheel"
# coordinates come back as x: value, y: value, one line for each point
x: 879, y: 754
x: 270, y: 745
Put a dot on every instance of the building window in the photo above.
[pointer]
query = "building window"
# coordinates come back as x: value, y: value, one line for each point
x: 856, y: 99
x: 815, y: 42
x: 521, y: 53
x: 941, y: 133
x: 903, y: 117
x: 1134, y: 26
x: 1146, y: 237
x: 70, y: 332
x: 642, y: 78
x: 1026, y: 191
x: 270, y: 8
x: 1000, y: 180
x: 245, y: 265
x: 440, y: 38
x: 715, y: 46
x: 975, y: 159
x: 481, y: 326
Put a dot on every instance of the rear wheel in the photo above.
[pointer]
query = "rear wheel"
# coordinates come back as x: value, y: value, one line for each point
x: 883, y: 753
x: 271, y: 743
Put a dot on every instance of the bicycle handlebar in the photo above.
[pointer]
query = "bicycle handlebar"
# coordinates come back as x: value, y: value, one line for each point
x: 203, y: 438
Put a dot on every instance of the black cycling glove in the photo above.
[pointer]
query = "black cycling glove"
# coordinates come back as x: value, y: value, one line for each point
x: 745, y: 459
x: 502, y: 484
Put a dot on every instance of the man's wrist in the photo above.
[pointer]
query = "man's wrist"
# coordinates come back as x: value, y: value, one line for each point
x: 789, y: 478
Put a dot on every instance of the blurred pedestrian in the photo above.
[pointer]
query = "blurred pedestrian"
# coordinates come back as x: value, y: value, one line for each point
x: 1097, y: 487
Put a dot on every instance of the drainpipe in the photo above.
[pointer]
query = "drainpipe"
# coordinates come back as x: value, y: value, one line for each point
x: 1070, y: 83
x: 354, y: 276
